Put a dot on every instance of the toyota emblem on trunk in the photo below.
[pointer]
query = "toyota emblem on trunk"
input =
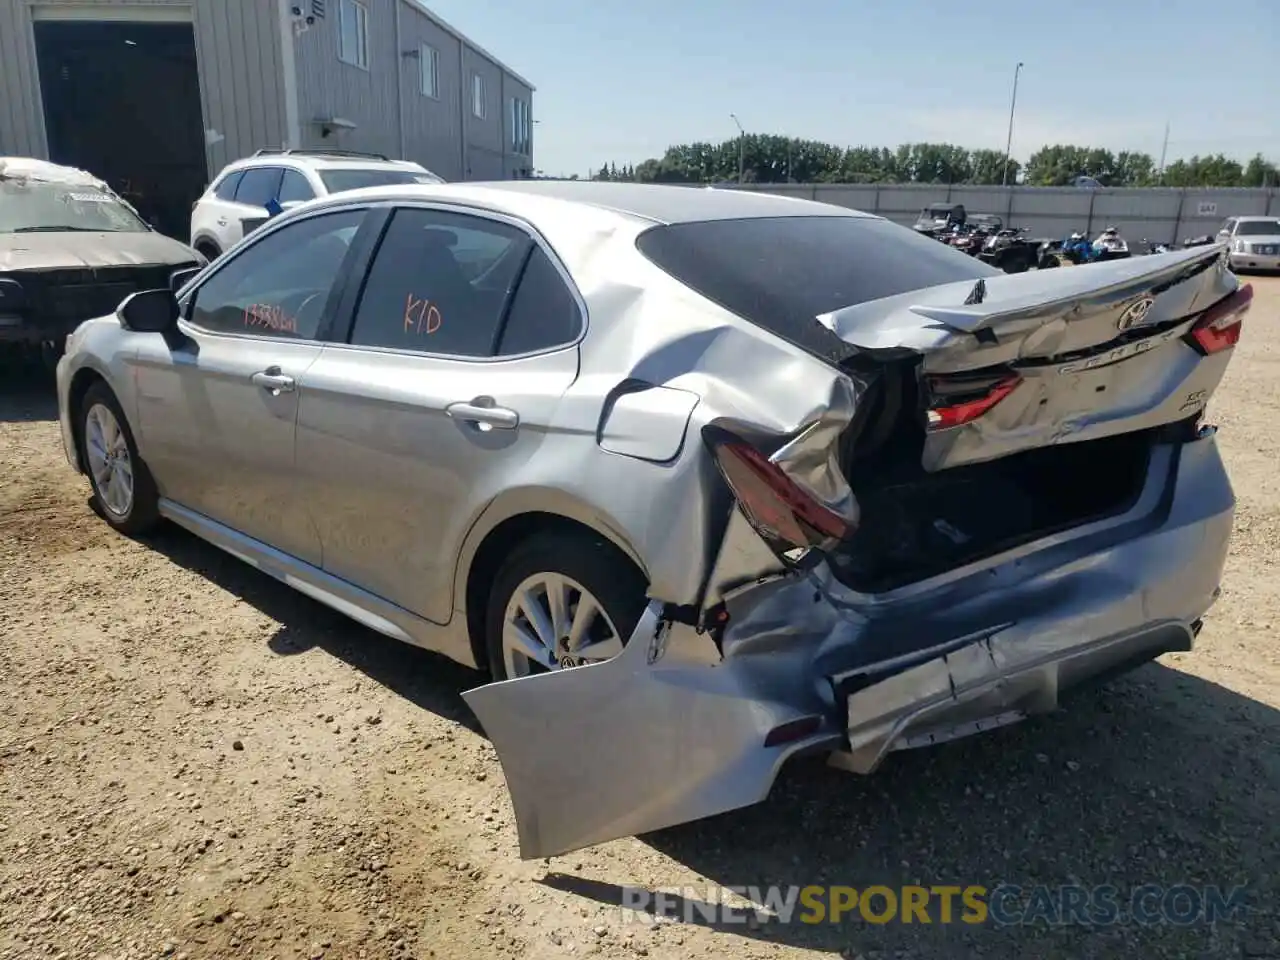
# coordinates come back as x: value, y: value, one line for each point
x: 1135, y: 313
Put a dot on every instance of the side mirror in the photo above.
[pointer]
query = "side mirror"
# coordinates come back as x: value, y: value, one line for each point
x: 149, y: 311
x: 180, y: 278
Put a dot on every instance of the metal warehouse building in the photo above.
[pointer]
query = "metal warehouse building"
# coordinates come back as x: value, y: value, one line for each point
x: 155, y: 96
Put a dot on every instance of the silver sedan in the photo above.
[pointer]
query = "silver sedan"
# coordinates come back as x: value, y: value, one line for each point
x: 705, y: 479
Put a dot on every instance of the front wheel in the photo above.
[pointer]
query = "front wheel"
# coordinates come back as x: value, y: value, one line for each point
x: 208, y: 250
x: 122, y: 486
x: 561, y: 601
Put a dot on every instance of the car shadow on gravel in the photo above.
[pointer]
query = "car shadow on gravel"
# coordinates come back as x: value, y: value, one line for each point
x: 428, y: 680
x: 1158, y: 778
x: 27, y: 392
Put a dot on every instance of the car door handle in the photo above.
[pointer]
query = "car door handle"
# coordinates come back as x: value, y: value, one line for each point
x: 275, y: 381
x: 484, y: 413
x: 222, y: 221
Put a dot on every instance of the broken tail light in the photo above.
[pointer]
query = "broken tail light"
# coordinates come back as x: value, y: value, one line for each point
x: 956, y: 401
x: 1220, y: 326
x: 777, y: 507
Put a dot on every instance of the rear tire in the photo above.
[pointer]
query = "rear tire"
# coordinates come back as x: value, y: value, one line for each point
x: 123, y: 489
x: 540, y: 611
x: 208, y: 250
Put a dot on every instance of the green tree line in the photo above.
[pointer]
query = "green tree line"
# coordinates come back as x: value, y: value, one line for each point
x: 768, y: 158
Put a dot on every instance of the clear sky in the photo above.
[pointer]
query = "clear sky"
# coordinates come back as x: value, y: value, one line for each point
x: 620, y: 80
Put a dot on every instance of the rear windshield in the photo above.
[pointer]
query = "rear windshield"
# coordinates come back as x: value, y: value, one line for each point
x: 1258, y: 228
x: 782, y: 272
x: 339, y: 181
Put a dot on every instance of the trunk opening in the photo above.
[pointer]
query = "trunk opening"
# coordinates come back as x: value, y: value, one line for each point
x: 915, y: 524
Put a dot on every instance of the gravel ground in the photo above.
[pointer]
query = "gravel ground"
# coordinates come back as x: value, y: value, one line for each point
x: 197, y: 762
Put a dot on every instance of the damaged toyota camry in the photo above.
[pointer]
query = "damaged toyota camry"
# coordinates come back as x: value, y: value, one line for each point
x: 704, y: 479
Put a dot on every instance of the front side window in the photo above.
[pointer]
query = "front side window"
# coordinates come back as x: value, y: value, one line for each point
x: 439, y: 283
x: 429, y: 63
x: 478, y: 106
x: 41, y: 206
x: 279, y: 286
x: 353, y: 33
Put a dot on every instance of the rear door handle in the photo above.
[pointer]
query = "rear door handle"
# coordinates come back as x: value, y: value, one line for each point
x: 222, y: 221
x: 482, y: 412
x: 273, y: 380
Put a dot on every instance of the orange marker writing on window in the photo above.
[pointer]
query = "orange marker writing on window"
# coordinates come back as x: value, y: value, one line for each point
x: 421, y: 316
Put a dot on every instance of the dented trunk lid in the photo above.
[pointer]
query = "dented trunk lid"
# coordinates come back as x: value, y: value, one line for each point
x: 1092, y: 351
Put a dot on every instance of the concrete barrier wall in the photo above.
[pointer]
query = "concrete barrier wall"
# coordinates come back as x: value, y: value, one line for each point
x: 1158, y: 214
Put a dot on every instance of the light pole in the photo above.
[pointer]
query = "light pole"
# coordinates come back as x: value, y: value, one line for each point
x: 742, y: 137
x: 1008, y: 144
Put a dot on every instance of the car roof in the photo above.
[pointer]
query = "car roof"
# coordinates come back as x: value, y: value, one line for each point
x: 44, y: 170
x: 658, y: 203
x: 1258, y: 216
x: 320, y: 161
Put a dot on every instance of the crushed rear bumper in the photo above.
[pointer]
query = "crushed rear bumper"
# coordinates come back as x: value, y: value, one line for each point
x: 679, y: 727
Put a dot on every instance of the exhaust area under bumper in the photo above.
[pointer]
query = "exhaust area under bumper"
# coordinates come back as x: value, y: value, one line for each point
x: 678, y: 728
x: 982, y: 686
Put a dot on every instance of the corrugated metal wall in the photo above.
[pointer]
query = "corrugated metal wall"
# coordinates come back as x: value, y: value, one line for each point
x: 328, y: 87
x: 1158, y: 214
x: 237, y: 47
x: 442, y: 133
x: 433, y: 127
x: 21, y: 118
x: 485, y: 154
x: 242, y: 76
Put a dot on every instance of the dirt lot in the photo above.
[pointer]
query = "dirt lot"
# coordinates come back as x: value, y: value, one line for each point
x: 197, y: 762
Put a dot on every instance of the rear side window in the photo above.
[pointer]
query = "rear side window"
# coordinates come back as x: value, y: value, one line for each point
x: 439, y: 283
x: 543, y: 313
x: 782, y: 272
x: 294, y: 187
x: 227, y: 188
x: 259, y: 186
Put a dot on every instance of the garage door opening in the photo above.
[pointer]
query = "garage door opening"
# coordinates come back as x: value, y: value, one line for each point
x: 122, y: 100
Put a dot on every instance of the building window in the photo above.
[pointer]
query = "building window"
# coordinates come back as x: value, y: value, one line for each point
x: 429, y: 64
x: 353, y: 33
x: 521, y: 126
x: 478, y: 96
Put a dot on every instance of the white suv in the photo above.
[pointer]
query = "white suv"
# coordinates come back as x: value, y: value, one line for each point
x: 248, y: 192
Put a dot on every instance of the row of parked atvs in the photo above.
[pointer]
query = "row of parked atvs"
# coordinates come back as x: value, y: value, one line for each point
x: 985, y: 236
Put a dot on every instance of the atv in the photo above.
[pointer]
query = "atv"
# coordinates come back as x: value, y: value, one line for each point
x: 1009, y: 250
